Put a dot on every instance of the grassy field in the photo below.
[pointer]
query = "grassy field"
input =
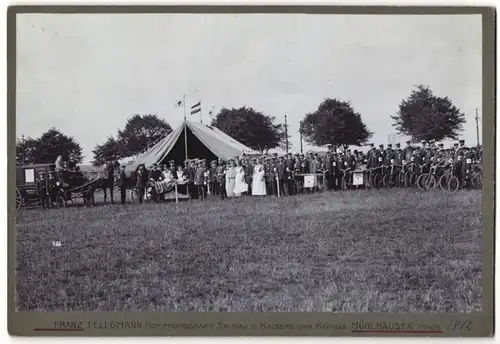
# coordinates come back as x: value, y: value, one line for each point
x: 362, y: 251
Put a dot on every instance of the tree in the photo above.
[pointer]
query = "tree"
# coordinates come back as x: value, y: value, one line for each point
x: 142, y: 132
x: 250, y: 127
x: 334, y: 123
x: 425, y: 116
x: 47, y: 147
x: 107, y: 151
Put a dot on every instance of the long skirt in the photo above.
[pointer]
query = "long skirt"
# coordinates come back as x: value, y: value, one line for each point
x: 229, y: 187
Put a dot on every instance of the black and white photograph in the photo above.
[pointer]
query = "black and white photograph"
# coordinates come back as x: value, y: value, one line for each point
x: 249, y: 162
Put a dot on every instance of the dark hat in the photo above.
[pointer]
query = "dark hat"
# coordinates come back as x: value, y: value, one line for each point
x: 372, y: 145
x: 389, y: 145
x: 440, y: 145
x: 381, y: 146
x: 409, y: 141
x: 398, y: 145
x: 455, y: 144
x: 297, y: 154
x: 461, y: 142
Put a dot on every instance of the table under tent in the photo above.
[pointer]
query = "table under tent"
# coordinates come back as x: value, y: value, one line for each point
x: 188, y: 141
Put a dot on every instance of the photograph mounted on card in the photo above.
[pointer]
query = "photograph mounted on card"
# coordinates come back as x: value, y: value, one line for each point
x: 241, y: 171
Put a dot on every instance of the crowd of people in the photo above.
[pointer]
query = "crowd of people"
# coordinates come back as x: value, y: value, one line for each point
x: 284, y: 175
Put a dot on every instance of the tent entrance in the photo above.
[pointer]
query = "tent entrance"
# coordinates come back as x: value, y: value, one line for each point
x: 196, y: 149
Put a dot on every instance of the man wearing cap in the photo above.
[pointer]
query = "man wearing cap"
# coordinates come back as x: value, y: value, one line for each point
x: 220, y: 172
x: 191, y: 172
x: 290, y: 168
x: 327, y: 167
x: 212, y: 177
x: 199, y: 180
x: 282, y: 176
x: 42, y: 189
x: 270, y: 177
x: 248, y: 167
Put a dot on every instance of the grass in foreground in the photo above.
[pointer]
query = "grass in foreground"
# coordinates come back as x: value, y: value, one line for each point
x: 366, y: 251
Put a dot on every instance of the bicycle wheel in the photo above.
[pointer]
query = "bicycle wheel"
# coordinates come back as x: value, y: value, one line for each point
x: 377, y: 180
x: 425, y: 181
x: 453, y: 184
x: 388, y: 181
x: 401, y: 180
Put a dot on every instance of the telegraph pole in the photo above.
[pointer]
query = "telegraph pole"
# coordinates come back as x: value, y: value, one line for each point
x: 286, y: 135
x: 300, y: 132
x: 477, y: 128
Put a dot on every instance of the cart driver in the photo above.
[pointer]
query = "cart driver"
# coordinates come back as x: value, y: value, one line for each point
x: 59, y: 169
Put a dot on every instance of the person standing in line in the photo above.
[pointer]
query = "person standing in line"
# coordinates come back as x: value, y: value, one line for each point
x: 248, y: 167
x: 42, y: 190
x: 142, y: 180
x: 212, y: 176
x: 240, y: 186
x: 199, y: 180
x: 282, y: 176
x: 269, y: 175
x: 230, y: 179
x: 258, y: 180
x: 220, y: 172
x: 122, y: 184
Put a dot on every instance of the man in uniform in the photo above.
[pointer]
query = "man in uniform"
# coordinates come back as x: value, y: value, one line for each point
x: 248, y: 166
x: 42, y: 190
x: 290, y: 168
x: 350, y: 165
x: 212, y: 176
x: 122, y: 184
x: 282, y: 176
x: 270, y: 177
x: 220, y: 171
x: 327, y: 167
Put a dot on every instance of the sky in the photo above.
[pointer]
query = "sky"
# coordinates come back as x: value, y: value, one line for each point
x: 85, y: 74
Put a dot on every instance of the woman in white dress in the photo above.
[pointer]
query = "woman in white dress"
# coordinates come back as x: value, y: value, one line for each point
x: 239, y: 183
x: 166, y: 180
x: 230, y: 177
x: 258, y: 180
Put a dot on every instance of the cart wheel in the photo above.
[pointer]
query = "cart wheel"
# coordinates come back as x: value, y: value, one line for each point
x: 19, y: 199
x: 424, y: 182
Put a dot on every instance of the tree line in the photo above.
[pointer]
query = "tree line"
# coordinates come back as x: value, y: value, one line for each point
x: 423, y: 116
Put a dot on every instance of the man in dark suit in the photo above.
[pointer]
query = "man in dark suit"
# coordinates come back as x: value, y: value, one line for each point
x: 270, y: 177
x: 327, y: 167
x: 248, y: 165
x: 282, y: 176
x: 42, y: 190
x: 212, y: 177
x: 290, y: 168
x: 142, y: 181
x: 122, y: 184
x: 220, y: 171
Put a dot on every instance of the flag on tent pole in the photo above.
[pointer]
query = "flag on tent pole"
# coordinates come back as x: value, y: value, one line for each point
x: 196, y: 108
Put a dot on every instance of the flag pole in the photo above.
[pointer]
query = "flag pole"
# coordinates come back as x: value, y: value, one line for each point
x: 185, y: 131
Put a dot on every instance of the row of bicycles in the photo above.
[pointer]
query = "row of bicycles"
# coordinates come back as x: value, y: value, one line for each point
x: 448, y: 177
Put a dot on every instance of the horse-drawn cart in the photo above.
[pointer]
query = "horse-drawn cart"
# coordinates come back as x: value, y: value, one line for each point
x: 27, y: 191
x: 77, y: 185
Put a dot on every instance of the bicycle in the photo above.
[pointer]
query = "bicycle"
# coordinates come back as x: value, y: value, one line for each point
x: 471, y: 180
x: 427, y: 180
x: 374, y: 177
